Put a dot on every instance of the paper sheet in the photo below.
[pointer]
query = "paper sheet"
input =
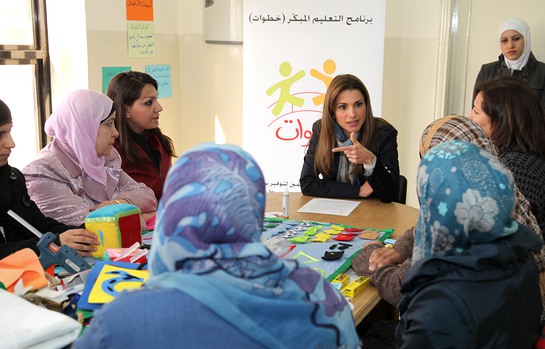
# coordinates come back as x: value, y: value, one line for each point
x: 329, y: 206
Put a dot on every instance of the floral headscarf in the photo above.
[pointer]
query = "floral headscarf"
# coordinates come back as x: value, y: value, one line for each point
x: 466, y: 197
x: 207, y: 244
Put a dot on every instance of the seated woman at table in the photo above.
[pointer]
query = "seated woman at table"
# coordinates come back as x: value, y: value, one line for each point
x: 145, y: 151
x: 473, y: 282
x: 14, y: 196
x: 79, y: 170
x: 351, y: 153
x: 386, y: 267
x: 510, y: 113
x: 212, y: 283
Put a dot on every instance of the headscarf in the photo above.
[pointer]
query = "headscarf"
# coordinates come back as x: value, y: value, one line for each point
x: 75, y: 123
x: 459, y: 127
x: 5, y: 113
x: 466, y: 198
x: 522, y: 27
x: 455, y: 127
x: 207, y: 243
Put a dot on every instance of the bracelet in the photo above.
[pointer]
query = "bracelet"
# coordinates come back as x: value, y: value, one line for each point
x: 127, y: 200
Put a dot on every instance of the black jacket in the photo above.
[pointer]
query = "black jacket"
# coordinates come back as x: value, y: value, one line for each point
x: 14, y: 196
x: 486, y: 297
x: 533, y: 73
x: 385, y: 177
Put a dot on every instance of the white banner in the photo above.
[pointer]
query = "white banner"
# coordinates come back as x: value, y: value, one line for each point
x: 292, y: 51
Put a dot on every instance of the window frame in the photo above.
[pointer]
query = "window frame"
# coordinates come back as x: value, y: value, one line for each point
x: 38, y: 56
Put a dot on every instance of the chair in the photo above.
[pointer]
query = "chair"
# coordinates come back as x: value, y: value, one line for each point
x: 402, y: 194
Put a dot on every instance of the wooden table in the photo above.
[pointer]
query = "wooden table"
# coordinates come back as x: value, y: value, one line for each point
x: 370, y: 213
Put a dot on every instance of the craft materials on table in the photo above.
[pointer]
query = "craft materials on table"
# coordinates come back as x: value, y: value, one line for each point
x: 107, y: 280
x: 325, y: 247
x: 115, y: 226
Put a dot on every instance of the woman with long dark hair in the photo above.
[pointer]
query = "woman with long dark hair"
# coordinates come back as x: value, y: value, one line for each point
x: 146, y: 152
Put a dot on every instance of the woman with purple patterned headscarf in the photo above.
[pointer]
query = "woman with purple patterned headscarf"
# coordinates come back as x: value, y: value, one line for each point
x: 212, y: 282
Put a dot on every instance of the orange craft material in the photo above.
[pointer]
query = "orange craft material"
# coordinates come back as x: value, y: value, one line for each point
x: 23, y: 264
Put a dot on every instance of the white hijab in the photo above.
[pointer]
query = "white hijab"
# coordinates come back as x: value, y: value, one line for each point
x: 522, y: 27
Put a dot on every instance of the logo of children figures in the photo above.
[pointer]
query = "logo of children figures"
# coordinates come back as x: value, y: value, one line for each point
x: 295, y: 124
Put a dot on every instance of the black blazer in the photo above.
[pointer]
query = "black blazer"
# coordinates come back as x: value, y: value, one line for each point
x: 385, y: 177
x: 14, y: 196
x: 533, y: 73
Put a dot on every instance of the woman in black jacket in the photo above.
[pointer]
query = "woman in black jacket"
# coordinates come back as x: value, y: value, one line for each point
x: 351, y: 154
x: 14, y: 196
x: 516, y: 59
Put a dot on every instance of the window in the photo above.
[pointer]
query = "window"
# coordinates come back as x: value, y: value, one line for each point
x: 24, y: 71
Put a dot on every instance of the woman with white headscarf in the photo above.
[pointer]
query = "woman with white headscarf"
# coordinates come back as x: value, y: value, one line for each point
x: 473, y: 282
x: 80, y: 171
x: 516, y: 59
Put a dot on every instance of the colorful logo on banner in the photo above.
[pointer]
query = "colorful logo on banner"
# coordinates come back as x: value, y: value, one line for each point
x: 291, y: 114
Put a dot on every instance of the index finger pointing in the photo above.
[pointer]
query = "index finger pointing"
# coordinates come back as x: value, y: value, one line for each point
x: 338, y: 149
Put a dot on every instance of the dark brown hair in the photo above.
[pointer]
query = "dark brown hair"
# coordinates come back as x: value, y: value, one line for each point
x: 124, y: 89
x: 324, y: 158
x: 516, y: 116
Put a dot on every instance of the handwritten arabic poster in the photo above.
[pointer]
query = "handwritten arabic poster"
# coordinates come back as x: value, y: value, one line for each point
x: 292, y: 51
x: 161, y: 73
x: 141, y: 39
x: 139, y: 10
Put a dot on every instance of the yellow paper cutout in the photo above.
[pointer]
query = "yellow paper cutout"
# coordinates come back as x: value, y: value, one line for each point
x: 112, y: 280
x: 331, y: 231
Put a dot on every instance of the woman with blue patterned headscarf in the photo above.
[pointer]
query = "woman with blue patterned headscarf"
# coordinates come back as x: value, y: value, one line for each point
x: 212, y: 282
x: 473, y: 283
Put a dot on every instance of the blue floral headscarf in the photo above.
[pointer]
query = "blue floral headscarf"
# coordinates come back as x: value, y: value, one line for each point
x: 207, y: 243
x: 466, y: 197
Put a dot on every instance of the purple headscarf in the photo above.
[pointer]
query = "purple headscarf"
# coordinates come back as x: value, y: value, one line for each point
x: 207, y: 244
x: 75, y: 123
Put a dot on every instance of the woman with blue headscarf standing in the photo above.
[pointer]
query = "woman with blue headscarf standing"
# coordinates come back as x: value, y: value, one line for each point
x: 516, y: 59
x: 473, y: 282
x: 212, y: 283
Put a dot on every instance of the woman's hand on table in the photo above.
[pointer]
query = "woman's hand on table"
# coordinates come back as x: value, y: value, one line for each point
x: 148, y: 215
x: 384, y: 256
x: 365, y: 190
